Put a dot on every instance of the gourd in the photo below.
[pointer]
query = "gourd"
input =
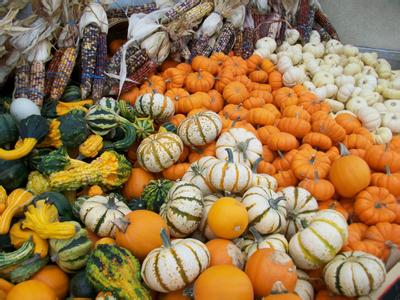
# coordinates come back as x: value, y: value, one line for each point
x: 37, y: 183
x: 204, y: 229
x: 15, y: 257
x: 8, y: 130
x: 155, y: 193
x: 183, y: 208
x: 156, y: 106
x: 32, y: 289
x: 22, y: 108
x: 293, y: 76
x: 184, y: 258
x: 80, y: 287
x: 197, y: 174
x: 13, y: 173
x: 225, y: 252
x: 16, y: 200
x: 101, y: 120
x: 144, y: 127
x: 3, y: 199
x: 391, y: 120
x: 99, y: 212
x: 31, y: 130
x: 60, y: 202
x: 55, y: 278
x: 71, y: 254
x: 92, y: 146
x: 304, y: 288
x: 128, y: 138
x: 369, y: 117
x: 19, y: 236
x: 53, y: 109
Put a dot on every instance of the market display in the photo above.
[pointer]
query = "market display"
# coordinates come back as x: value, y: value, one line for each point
x: 194, y: 150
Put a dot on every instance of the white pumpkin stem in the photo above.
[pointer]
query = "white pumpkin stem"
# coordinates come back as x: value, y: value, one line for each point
x: 256, y: 163
x: 343, y: 150
x: 165, y: 239
x: 230, y: 155
x: 121, y: 224
x: 255, y: 233
x: 279, y: 288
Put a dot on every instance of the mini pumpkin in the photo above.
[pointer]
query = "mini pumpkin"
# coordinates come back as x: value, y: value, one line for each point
x: 235, y: 92
x: 201, y: 81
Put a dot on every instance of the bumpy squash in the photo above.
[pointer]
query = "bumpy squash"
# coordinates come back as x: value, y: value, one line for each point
x: 19, y: 236
x: 37, y: 183
x: 3, y: 199
x: 155, y: 193
x: 8, y: 130
x: 60, y: 202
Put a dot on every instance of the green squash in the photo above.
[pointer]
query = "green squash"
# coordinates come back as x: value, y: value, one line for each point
x: 155, y: 193
x: 49, y: 109
x: 71, y: 93
x: 60, y: 202
x: 34, y: 126
x: 111, y: 268
x: 13, y: 173
x: 109, y: 103
x: 17, y: 256
x: 27, y: 269
x: 136, y: 204
x: 127, y: 111
x: 73, y: 129
x: 5, y: 103
x: 8, y: 130
x: 80, y: 287
x: 76, y: 206
x: 101, y: 119
x: 55, y: 161
x: 169, y: 127
x: 144, y: 127
x: 129, y: 137
x: 71, y: 254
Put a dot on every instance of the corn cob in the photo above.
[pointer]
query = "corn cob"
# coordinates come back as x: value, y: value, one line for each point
x: 201, y: 46
x: 52, y: 69
x: 274, y: 21
x: 322, y: 19
x: 237, y: 48
x: 123, y: 13
x: 248, y: 42
x: 322, y: 32
x: 198, y: 12
x: 37, y: 79
x: 22, y: 80
x: 179, y: 9
x: 99, y: 79
x: 281, y: 35
x: 305, y: 20
x: 63, y: 73
x: 145, y: 71
x: 88, y: 58
x: 226, y: 39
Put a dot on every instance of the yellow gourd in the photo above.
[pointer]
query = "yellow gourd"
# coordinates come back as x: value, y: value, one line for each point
x: 3, y: 199
x: 92, y: 146
x: 19, y: 236
x: 37, y: 183
x: 95, y: 190
x: 53, y: 138
x: 65, y: 107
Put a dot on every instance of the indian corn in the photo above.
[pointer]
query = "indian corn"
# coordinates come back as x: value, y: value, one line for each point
x: 99, y: 79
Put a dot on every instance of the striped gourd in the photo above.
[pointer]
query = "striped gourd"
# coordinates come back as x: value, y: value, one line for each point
x: 175, y: 265
x: 17, y: 256
x: 98, y: 213
x: 114, y: 269
x: 245, y: 146
x: 265, y: 180
x: 304, y: 288
x: 229, y: 176
x: 159, y: 151
x: 197, y: 175
x: 156, y: 106
x: 200, y: 129
x: 183, y: 208
x: 266, y: 209
x: 205, y: 230
x: 301, y: 206
x: 155, y: 193
x: 317, y: 244
x: 101, y: 119
x: 109, y: 103
x: 71, y: 254
x: 354, y: 274
x: 276, y: 241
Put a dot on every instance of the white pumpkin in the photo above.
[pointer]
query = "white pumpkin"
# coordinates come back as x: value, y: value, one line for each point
x: 309, y: 85
x: 293, y: 76
x: 332, y: 60
x: 197, y: 174
x: 345, y: 112
x: 391, y: 120
x: 335, y: 105
x: 295, y: 55
x: 266, y: 209
x: 205, y: 230
x: 159, y: 151
x: 370, y: 58
x: 350, y: 50
x: 321, y: 92
x: 317, y: 244
x: 322, y: 78
x: 341, y: 80
x: 262, y: 52
x: 354, y: 274
x: 380, y: 107
x: 316, y: 49
x: 392, y: 105
x: 156, y: 106
x: 383, y: 68
x: 352, y: 69
x: 367, y: 82
x: 368, y: 70
x: 301, y: 208
x: 183, y: 208
x: 283, y: 47
x: 308, y: 56
x: 334, y: 46
x: 304, y: 289
x: 284, y: 63
x: 245, y: 147
x: 369, y: 117
x: 174, y: 265
x: 382, y: 135
x: 292, y: 36
x: 331, y: 90
x: 336, y: 70
x: 200, y: 129
x: 22, y: 108
x: 344, y: 92
x: 315, y: 37
x: 391, y: 93
x: 276, y: 241
x: 395, y: 83
x: 356, y: 92
x: 355, y: 103
x: 371, y: 96
x: 266, y: 42
x: 312, y: 66
x: 265, y: 180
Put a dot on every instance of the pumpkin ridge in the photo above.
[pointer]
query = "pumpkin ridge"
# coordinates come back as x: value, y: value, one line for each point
x: 184, y: 214
x: 221, y: 184
x: 181, y: 269
x: 307, y: 254
x: 173, y: 227
x: 167, y: 150
x: 157, y: 272
x: 338, y: 229
x: 199, y: 127
x: 236, y: 177
x: 354, y: 281
x: 87, y: 212
x: 337, y: 278
x: 331, y: 249
x: 370, y: 277
x: 76, y: 242
x: 100, y: 222
x: 156, y: 157
x: 195, y: 255
x: 260, y: 216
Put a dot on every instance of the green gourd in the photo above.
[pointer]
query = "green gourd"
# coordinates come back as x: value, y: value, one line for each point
x: 13, y: 173
x: 129, y: 137
x: 168, y: 126
x: 155, y: 193
x: 127, y: 111
x: 60, y: 202
x: 8, y: 130
x: 8, y: 259
x: 136, y: 204
x: 73, y: 128
x: 144, y: 127
x: 27, y: 269
x: 72, y: 93
x: 80, y: 286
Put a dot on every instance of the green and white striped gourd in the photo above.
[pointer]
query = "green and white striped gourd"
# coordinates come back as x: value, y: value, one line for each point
x: 183, y: 209
x: 156, y: 106
x: 354, y: 274
x: 99, y: 212
x: 159, y: 151
x: 266, y: 209
x: 174, y: 265
x: 301, y: 208
x: 197, y: 174
x: 101, y: 120
x: 205, y: 230
x: 155, y: 193
x: 144, y: 127
x: 317, y: 244
x: 261, y: 179
x: 245, y: 146
x: 200, y: 129
x: 109, y: 103
x: 304, y: 289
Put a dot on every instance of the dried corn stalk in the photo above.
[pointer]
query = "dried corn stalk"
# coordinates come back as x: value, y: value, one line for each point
x: 22, y: 73
x: 226, y: 39
x: 178, y: 10
x: 322, y: 19
x: 101, y: 61
x: 124, y: 12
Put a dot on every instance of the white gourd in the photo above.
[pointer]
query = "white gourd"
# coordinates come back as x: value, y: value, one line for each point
x: 336, y: 70
x: 395, y: 83
x: 284, y: 63
x: 368, y: 70
x: 371, y: 96
x: 383, y: 68
x: 370, y: 58
x: 308, y: 56
x: 266, y: 42
x: 316, y: 49
x: 295, y: 55
x: 293, y: 76
x: 304, y: 289
x: 273, y: 58
x: 350, y: 50
x: 356, y: 92
x: 382, y: 135
x: 22, y: 108
x: 156, y: 106
x: 309, y: 85
x: 332, y: 60
x: 367, y: 82
x: 355, y: 60
x: 335, y: 105
x: 380, y: 107
x: 369, y: 117
x: 292, y: 36
x: 312, y: 66
x: 352, y: 69
x: 283, y: 47
x: 344, y: 79
x: 391, y: 120
x: 321, y: 92
x: 355, y: 103
x: 334, y: 46
x: 263, y: 52
x: 315, y: 37
x: 208, y: 202
x: 391, y: 93
x: 344, y: 92
x: 331, y: 90
x: 265, y: 180
x: 276, y: 241
x: 323, y: 78
x: 392, y: 105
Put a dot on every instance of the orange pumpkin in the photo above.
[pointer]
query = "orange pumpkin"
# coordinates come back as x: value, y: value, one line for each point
x: 348, y: 122
x: 258, y: 76
x: 216, y: 103
x: 235, y: 92
x: 31, y: 290
x: 359, y: 141
x: 203, y: 63
x: 320, y: 115
x: 201, y: 81
x: 177, y: 295
x: 385, y: 235
x: 187, y: 68
x: 115, y: 45
x: 237, y: 64
x: 174, y: 78
x: 224, y: 77
x: 330, y: 128
x: 333, y: 153
x: 282, y: 141
x: 357, y: 241
x: 168, y: 63
x: 275, y: 80
x: 328, y: 295
x: 225, y: 252
x: 136, y: 183
x: 254, y: 63
x: 279, y: 292
x: 236, y: 112
x: 92, y: 236
x: 267, y: 154
x: 267, y: 66
x: 193, y: 101
x: 364, y: 132
x: 265, y: 95
x: 177, y: 94
x: 265, y: 132
x: 175, y: 171
x: 317, y: 140
x: 55, y: 278
x: 321, y: 189
x: 219, y: 57
x: 380, y: 156
x: 294, y: 111
x: 177, y: 119
x: 387, y: 180
x: 310, y: 102
x: 199, y: 152
x: 296, y: 126
x: 154, y: 84
x: 309, y: 163
x: 286, y: 178
x: 272, y: 108
x: 130, y: 96
x: 253, y: 102
x: 265, y: 167
x: 260, y: 117
x: 283, y: 161
x: 335, y: 205
x: 285, y: 97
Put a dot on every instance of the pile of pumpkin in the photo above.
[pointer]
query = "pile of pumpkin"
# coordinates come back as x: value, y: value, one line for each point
x: 236, y: 187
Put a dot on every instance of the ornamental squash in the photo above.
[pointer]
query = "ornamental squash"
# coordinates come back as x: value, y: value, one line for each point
x: 8, y: 130
x: 204, y: 229
x: 60, y: 202
x: 156, y: 106
x: 225, y: 252
x: 19, y: 236
x: 182, y: 259
x: 55, y: 278
x: 37, y: 183
x: 183, y: 208
x: 144, y: 127
x: 279, y: 292
x: 304, y: 288
x: 13, y: 173
x: 114, y: 269
x: 155, y: 193
x: 32, y: 289
x: 136, y: 183
x: 80, y: 287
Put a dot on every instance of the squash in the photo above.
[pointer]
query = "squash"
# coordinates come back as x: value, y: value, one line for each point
x: 60, y: 202
x: 197, y: 174
x: 261, y: 179
x: 225, y: 252
x: 159, y: 151
x: 55, y: 278
x: 183, y: 208
x: 8, y: 130
x: 266, y: 209
x: 317, y: 244
x: 184, y: 258
x: 156, y: 106
x: 71, y: 254
x: 101, y: 120
x: 204, y: 229
x: 136, y: 183
x: 304, y: 288
x: 354, y: 274
x: 19, y: 236
x: 114, y: 269
x: 279, y: 292
x: 37, y: 183
x: 93, y: 144
x: 155, y: 193
x: 8, y: 259
x: 32, y: 289
x: 3, y: 199
x: 13, y: 173
x: 80, y: 287
x: 99, y: 212
x: 144, y: 127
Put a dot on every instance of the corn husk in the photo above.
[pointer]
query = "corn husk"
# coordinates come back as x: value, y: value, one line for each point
x: 41, y: 52
x: 8, y: 63
x: 261, y: 5
x: 163, y: 4
x: 50, y: 8
x: 290, y: 6
x: 94, y: 13
x: 236, y: 18
x: 141, y: 26
x: 157, y: 46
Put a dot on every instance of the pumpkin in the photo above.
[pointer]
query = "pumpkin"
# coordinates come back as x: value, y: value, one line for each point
x: 235, y: 92
x: 321, y: 189
x: 201, y: 81
x: 237, y: 64
x: 196, y: 174
x: 174, y: 78
x: 227, y: 218
x: 216, y: 103
x: 13, y: 173
x: 155, y: 192
x: 223, y: 282
x: 177, y: 295
x: 385, y: 236
x: 185, y: 258
x: 204, y: 63
x: 357, y: 241
x: 380, y: 156
x: 99, y: 212
x: 176, y: 95
x: 136, y: 183
x: 318, y: 140
x: 159, y: 151
x: 317, y: 244
x: 253, y: 102
x: 139, y: 232
x: 266, y: 209
x: 225, y: 252
x: 282, y: 141
x: 349, y: 174
x: 153, y: 84
x: 264, y: 180
x: 55, y: 278
x: 276, y: 266
x: 175, y: 172
x: 275, y: 80
x: 285, y: 97
x: 200, y: 129
x: 285, y: 178
x: 183, y: 208
x: 279, y: 292
x: 301, y: 208
x: 330, y: 128
x: 204, y: 228
x: 284, y: 161
x: 235, y: 112
x: 223, y: 78
x: 306, y: 163
x: 348, y: 122
x: 354, y: 274
x: 32, y: 290
x: 296, y: 126
x: 304, y: 288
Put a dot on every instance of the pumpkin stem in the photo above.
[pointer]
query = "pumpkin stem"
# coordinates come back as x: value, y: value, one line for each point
x: 255, y: 233
x: 230, y: 155
x: 256, y: 163
x: 343, y: 150
x: 312, y: 160
x: 165, y: 238
x: 316, y: 175
x: 188, y: 292
x: 281, y: 155
x: 387, y: 170
x: 279, y: 288
x: 111, y: 203
x: 121, y: 224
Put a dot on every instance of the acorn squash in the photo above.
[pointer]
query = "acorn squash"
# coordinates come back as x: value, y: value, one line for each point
x: 13, y: 173
x: 73, y: 129
x: 8, y: 130
x: 80, y: 286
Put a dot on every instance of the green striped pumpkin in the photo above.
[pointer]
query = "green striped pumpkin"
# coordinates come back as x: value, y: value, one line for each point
x: 114, y: 269
x: 126, y: 110
x: 155, y: 193
x: 159, y: 151
x: 354, y: 274
x: 101, y: 119
x: 144, y: 127
x: 109, y: 103
x: 71, y: 93
x: 99, y: 212
x: 266, y: 209
x: 71, y: 254
x: 168, y: 126
x: 301, y: 207
x: 183, y: 208
x: 200, y: 129
x: 304, y: 289
x: 317, y: 244
x: 156, y: 106
x: 175, y: 265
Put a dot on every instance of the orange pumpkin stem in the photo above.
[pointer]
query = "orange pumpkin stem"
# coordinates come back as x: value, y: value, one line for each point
x: 387, y: 170
x: 316, y: 175
x: 343, y: 150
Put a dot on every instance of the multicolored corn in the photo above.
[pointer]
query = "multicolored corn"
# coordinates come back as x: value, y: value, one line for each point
x: 123, y: 13
x: 198, y: 12
x: 22, y: 85
x: 322, y: 19
x: 178, y: 10
x: 305, y: 20
x: 325, y: 36
x: 201, y: 46
x: 226, y: 38
x: 248, y: 42
x: 52, y: 69
x: 37, y: 80
x: 138, y: 77
x: 101, y: 61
